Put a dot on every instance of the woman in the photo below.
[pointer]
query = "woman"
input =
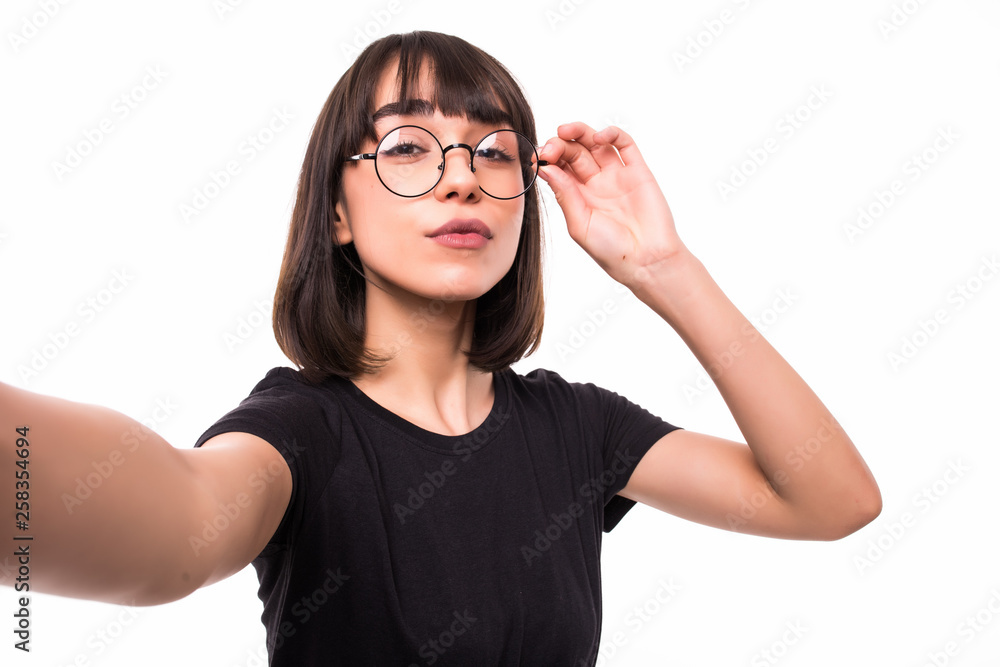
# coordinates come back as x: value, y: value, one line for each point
x: 405, y: 497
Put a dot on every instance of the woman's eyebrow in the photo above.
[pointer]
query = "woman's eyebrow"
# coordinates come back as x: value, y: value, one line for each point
x: 412, y: 108
x: 483, y: 114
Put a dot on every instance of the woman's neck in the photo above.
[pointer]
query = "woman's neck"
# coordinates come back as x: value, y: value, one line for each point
x: 428, y: 380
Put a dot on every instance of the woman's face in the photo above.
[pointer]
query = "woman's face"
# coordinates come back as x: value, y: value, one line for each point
x: 395, y: 236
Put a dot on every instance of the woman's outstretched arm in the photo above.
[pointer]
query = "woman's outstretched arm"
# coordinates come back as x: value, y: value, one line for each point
x: 116, y: 514
x: 798, y: 475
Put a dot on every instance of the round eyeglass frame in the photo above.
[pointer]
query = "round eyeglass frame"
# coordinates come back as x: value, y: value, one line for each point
x: 444, y: 151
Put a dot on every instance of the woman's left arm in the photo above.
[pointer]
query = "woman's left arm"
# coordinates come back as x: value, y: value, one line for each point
x: 798, y: 476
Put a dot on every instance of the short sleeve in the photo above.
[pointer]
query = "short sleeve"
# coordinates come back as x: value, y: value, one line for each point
x: 281, y: 411
x: 629, y: 431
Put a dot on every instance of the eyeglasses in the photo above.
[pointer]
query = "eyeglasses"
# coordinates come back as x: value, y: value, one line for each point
x: 409, y: 161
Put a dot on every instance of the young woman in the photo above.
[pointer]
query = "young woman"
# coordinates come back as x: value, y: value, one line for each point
x: 406, y: 497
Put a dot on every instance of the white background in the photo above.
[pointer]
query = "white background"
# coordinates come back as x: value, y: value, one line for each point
x: 780, y: 235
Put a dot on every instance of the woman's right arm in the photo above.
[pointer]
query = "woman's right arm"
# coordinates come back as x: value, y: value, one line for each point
x: 117, y: 514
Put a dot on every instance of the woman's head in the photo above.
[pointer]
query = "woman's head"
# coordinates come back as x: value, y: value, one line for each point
x: 349, y: 234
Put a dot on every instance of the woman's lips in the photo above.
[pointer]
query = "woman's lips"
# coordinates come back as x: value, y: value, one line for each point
x: 463, y: 226
x: 462, y: 240
x: 465, y: 233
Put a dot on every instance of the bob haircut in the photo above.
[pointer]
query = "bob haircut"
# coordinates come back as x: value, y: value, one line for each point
x: 319, y: 304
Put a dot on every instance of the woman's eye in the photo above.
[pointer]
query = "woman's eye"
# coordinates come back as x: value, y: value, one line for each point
x: 494, y: 154
x: 403, y: 150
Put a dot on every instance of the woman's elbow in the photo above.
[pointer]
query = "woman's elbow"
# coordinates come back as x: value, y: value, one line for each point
x: 864, y: 510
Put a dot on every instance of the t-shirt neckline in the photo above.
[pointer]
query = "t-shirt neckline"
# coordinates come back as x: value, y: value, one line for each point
x: 478, y: 437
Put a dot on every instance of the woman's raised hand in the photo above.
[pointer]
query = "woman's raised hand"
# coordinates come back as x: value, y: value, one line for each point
x: 613, y: 206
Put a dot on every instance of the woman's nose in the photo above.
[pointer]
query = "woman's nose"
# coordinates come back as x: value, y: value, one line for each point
x: 458, y: 178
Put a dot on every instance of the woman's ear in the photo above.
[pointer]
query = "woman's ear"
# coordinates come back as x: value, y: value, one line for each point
x: 341, y: 229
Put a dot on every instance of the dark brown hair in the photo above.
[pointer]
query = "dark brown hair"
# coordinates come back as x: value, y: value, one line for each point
x: 319, y: 305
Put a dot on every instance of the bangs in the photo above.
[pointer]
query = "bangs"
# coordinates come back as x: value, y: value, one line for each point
x: 457, y: 90
x: 465, y: 82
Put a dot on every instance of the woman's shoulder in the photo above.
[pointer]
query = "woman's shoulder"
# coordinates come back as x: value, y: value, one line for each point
x: 286, y: 380
x: 547, y: 382
x: 288, y: 391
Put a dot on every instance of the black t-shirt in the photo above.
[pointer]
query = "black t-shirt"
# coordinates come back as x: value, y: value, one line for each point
x: 401, y: 546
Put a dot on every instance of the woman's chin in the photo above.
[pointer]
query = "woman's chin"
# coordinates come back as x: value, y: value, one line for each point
x: 458, y: 286
x: 446, y: 284
x: 454, y: 293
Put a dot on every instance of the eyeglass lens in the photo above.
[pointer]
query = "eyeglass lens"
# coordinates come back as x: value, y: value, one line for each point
x: 408, y: 161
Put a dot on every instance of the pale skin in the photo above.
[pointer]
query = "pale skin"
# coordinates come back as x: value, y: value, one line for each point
x: 617, y: 213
